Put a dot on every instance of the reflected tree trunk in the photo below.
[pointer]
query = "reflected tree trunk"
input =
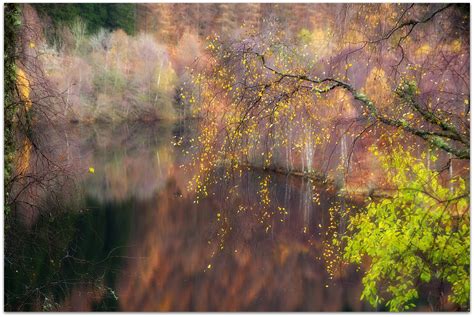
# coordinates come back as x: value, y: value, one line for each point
x: 307, y: 201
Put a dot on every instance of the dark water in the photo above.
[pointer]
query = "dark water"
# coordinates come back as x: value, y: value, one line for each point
x: 136, y: 240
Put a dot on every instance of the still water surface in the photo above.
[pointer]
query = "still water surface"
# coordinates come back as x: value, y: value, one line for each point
x: 227, y: 252
x: 140, y: 242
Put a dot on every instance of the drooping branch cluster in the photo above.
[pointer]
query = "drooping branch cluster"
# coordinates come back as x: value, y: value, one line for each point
x: 448, y: 132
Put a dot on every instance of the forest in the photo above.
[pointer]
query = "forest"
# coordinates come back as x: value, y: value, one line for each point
x: 236, y: 157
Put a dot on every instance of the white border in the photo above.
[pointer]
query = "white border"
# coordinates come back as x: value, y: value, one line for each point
x: 214, y: 314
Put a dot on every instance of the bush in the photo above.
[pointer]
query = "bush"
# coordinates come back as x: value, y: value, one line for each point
x: 418, y: 235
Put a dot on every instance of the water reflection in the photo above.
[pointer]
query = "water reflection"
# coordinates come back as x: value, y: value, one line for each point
x: 142, y: 244
x: 220, y: 254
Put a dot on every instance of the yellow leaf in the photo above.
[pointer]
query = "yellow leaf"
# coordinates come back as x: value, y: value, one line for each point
x: 91, y: 170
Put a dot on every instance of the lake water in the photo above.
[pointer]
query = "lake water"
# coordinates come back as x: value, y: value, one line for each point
x: 137, y: 240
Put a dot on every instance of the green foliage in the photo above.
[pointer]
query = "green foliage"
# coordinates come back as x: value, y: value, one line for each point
x: 420, y: 234
x: 96, y: 15
x: 122, y: 16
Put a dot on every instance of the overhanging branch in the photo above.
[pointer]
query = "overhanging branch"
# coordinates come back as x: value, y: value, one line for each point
x: 436, y: 138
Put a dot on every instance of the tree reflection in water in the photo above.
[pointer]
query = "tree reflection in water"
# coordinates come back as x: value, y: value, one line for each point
x: 258, y: 242
x: 219, y: 255
x: 228, y: 252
